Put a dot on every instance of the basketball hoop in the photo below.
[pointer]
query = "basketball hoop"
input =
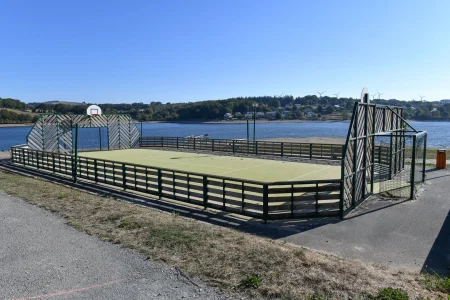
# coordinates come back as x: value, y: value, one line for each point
x: 94, y: 111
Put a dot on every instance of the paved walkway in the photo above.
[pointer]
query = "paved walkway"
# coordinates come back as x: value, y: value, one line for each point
x: 410, y: 234
x: 42, y: 256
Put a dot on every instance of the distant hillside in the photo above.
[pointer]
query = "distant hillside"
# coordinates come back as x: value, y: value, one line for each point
x: 55, y: 102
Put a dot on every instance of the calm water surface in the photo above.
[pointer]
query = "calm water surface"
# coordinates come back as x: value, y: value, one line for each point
x: 438, y: 132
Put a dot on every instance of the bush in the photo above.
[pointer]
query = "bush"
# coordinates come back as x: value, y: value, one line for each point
x: 391, y: 294
x: 434, y: 282
x: 316, y: 296
x: 251, y: 281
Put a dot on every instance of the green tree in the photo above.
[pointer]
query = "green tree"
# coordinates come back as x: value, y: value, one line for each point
x: 275, y: 103
x: 345, y: 115
x: 436, y: 114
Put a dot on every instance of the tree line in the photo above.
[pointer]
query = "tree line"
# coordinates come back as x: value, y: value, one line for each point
x: 7, y: 116
x: 287, y: 107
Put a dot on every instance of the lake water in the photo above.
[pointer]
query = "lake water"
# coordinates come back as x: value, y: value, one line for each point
x: 438, y: 132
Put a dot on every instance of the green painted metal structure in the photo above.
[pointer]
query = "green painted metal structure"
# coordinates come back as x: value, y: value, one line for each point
x: 54, y: 132
x: 359, y: 156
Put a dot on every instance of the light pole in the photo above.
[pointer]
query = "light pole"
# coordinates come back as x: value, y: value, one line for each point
x: 254, y: 120
x: 248, y: 133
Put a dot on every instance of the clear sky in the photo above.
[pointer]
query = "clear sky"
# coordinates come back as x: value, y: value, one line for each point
x: 188, y: 50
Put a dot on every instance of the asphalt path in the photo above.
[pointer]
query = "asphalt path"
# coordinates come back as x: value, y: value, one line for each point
x: 43, y: 258
x: 413, y: 235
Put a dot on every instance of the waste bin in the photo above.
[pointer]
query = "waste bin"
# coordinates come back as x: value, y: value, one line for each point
x: 441, y: 159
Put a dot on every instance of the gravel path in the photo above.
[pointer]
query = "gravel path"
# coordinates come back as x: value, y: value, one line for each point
x: 42, y: 256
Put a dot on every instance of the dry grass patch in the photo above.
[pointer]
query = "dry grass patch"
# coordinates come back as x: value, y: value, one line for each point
x: 221, y: 257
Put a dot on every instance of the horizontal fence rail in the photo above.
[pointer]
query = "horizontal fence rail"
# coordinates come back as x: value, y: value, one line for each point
x: 266, y: 200
x: 288, y: 149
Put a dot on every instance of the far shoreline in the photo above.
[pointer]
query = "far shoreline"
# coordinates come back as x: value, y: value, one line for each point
x: 242, y: 121
x: 223, y: 122
x: 15, y: 125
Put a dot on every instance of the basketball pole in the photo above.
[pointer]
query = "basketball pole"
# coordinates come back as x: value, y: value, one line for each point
x: 254, y: 124
x: 100, y: 135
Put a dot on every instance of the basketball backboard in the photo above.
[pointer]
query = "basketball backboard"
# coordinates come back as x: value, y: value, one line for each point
x: 94, y: 110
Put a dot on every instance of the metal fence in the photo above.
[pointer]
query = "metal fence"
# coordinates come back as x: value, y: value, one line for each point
x: 401, y: 175
x: 286, y: 149
x: 266, y: 200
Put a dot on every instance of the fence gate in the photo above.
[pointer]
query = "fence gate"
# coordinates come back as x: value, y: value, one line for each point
x: 366, y: 168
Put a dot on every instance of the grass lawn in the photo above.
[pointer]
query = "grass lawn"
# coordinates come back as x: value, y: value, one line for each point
x: 227, y: 258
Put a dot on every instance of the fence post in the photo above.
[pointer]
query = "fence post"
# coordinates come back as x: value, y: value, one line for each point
x: 205, y: 191
x: 282, y: 148
x: 233, y: 146
x: 95, y: 171
x: 355, y: 158
x: 212, y: 145
x: 223, y: 193
x: 75, y: 158
x: 124, y: 177
x: 265, y: 202
x: 413, y: 167
x: 177, y: 142
x: 310, y: 151
x: 256, y: 147
x: 53, y: 162
x: 390, y: 158
x: 424, y: 157
x: 317, y: 197
x: 159, y: 184
x: 341, y: 197
x: 242, y: 196
x: 194, y: 142
x: 162, y: 142
x: 292, y: 200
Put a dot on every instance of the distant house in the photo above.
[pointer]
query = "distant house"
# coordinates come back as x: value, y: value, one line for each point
x: 280, y: 108
x: 337, y: 107
x: 310, y: 115
x: 308, y: 110
x: 248, y: 115
x: 260, y: 115
x: 288, y: 106
x: 238, y: 115
x: 227, y: 116
x: 285, y: 113
x: 298, y: 105
x: 271, y: 115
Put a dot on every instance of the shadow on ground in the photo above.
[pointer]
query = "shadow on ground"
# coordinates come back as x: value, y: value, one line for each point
x: 357, y: 232
x: 274, y: 229
x: 438, y: 260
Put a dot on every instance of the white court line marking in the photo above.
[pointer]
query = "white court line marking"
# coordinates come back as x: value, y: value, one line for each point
x: 310, y: 173
x: 247, y: 168
x: 183, y: 163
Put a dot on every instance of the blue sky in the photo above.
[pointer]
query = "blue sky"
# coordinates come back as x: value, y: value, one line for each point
x: 178, y: 51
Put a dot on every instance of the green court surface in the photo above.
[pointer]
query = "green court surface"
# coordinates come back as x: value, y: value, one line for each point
x: 226, y: 166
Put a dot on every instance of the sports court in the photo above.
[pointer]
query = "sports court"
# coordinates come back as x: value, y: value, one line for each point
x: 226, y: 166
